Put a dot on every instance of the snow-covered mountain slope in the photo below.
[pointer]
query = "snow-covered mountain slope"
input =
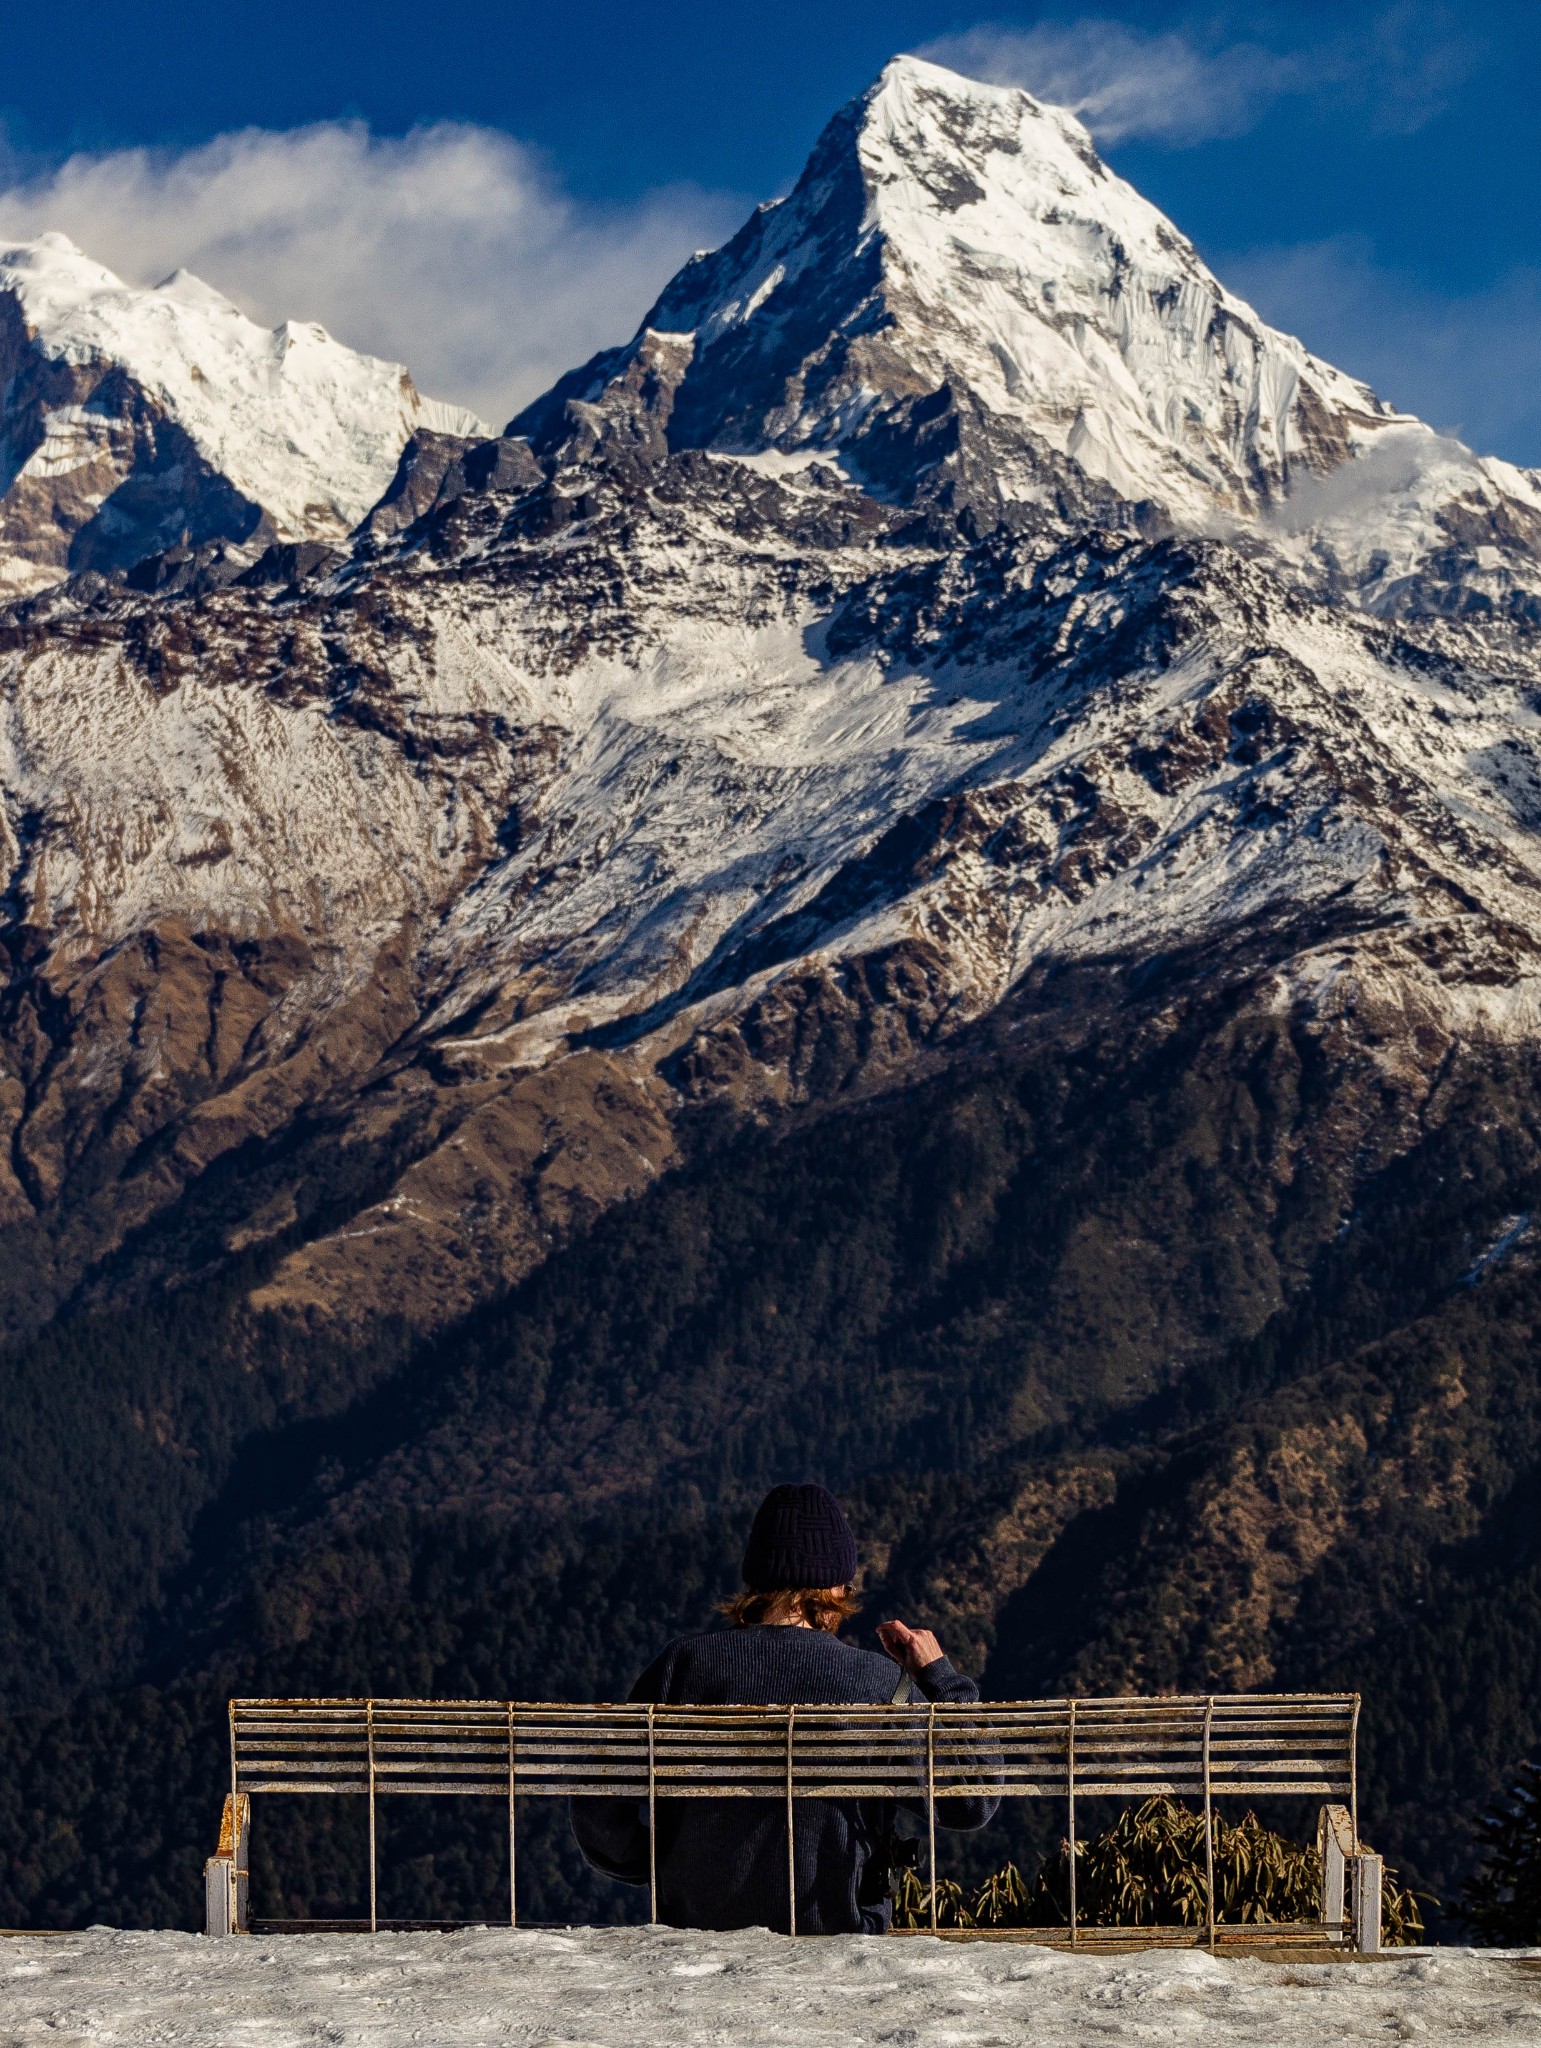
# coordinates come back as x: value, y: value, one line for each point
x: 136, y: 419
x: 700, y: 779
x: 959, y: 295
x: 734, y: 739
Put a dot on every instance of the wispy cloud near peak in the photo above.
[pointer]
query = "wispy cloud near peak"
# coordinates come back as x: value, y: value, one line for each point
x: 1180, y: 89
x: 1123, y: 82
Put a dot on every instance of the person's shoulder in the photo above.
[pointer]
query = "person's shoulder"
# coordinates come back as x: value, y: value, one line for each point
x: 702, y: 1645
x: 671, y: 1667
x: 698, y: 1636
x: 877, y: 1674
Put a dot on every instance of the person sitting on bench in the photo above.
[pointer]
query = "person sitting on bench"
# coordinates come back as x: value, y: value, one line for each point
x: 722, y: 1863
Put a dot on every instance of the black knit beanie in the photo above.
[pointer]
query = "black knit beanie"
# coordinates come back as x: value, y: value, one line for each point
x: 799, y: 1538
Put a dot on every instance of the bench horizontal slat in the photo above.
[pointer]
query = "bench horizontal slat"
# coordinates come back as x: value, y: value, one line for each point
x: 666, y: 1759
x: 1262, y: 1703
x: 577, y: 1788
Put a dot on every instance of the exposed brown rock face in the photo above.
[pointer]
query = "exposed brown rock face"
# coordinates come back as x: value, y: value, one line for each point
x: 503, y: 1183
x: 355, y: 859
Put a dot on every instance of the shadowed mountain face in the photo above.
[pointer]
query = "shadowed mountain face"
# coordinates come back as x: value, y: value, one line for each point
x: 927, y: 874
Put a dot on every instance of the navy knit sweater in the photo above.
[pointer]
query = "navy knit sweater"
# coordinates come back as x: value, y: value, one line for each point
x: 723, y: 1862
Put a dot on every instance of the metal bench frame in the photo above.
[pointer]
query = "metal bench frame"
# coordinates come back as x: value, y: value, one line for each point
x: 1205, y: 1746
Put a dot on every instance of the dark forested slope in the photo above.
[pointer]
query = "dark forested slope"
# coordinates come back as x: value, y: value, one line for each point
x: 1154, y: 1346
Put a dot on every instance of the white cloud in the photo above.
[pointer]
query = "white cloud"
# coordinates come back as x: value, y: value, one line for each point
x: 1470, y: 364
x: 451, y: 249
x: 1172, y: 88
x: 1403, y: 461
x: 1123, y: 82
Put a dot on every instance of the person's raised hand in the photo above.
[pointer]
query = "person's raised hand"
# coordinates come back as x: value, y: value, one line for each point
x: 914, y: 1648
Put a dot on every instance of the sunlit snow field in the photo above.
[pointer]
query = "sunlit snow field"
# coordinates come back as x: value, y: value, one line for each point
x: 619, y: 1987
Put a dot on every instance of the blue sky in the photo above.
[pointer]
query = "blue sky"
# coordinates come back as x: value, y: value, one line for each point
x: 491, y: 190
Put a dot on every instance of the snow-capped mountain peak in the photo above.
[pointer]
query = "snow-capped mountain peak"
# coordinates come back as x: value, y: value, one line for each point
x: 948, y: 235
x: 1072, y: 304
x: 960, y: 301
x: 191, y: 290
x: 135, y: 418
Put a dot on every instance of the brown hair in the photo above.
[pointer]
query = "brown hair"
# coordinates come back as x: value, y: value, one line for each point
x: 822, y: 1607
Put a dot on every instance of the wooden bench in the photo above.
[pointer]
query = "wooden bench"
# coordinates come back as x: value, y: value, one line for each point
x: 1236, y: 1746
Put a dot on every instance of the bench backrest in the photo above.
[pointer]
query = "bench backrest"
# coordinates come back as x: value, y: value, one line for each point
x: 1230, y: 1745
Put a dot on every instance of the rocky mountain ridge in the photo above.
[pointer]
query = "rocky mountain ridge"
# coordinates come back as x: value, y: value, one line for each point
x: 134, y: 422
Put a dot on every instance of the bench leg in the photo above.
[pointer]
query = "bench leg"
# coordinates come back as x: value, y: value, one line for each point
x: 220, y: 1908
x: 1368, y: 1873
x: 225, y: 1875
x: 1335, y: 1843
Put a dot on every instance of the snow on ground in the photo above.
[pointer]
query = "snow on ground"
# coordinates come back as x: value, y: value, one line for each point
x: 635, y: 1987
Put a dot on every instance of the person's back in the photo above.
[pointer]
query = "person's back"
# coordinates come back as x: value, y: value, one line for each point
x: 722, y: 1863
